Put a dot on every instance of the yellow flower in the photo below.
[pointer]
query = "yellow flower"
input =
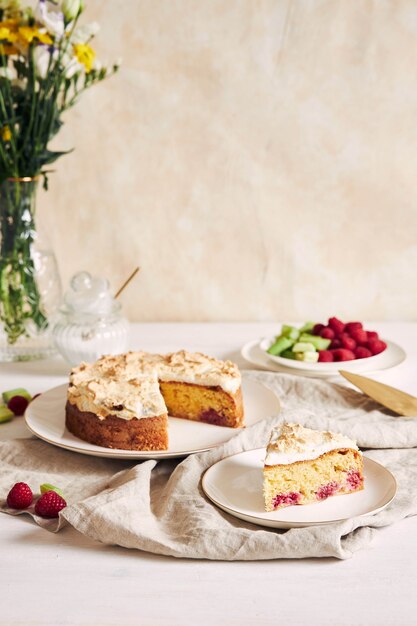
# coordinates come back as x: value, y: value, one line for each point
x: 29, y: 33
x: 8, y: 30
x: 5, y: 133
x: 85, y: 55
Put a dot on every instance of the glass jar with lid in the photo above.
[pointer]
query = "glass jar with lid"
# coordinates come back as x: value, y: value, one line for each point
x: 90, y: 321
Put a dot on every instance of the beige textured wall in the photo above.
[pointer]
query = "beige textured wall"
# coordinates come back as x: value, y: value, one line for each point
x: 258, y: 159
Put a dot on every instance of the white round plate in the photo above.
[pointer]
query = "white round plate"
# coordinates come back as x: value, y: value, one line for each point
x: 234, y: 484
x: 255, y: 352
x: 45, y: 417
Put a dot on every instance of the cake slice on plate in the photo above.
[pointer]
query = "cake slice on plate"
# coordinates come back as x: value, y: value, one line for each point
x: 303, y: 466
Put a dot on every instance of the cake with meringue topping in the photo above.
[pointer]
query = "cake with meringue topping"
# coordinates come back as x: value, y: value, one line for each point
x: 303, y: 466
x: 123, y: 401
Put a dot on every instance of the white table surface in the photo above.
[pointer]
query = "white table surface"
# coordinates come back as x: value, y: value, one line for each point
x: 50, y: 579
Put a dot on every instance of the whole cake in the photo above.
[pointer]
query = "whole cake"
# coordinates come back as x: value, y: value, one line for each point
x: 123, y: 401
x: 303, y: 466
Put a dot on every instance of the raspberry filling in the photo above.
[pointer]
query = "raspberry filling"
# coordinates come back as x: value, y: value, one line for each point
x: 212, y: 417
x: 286, y: 499
x: 354, y: 479
x: 325, y: 491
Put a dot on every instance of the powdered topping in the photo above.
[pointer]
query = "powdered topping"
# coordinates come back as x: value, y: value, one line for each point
x: 292, y: 442
x: 130, y: 381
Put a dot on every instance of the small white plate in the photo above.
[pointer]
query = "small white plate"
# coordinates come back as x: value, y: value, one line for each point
x: 45, y: 417
x: 257, y: 355
x: 234, y: 484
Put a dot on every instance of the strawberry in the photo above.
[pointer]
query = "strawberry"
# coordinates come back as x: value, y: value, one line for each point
x: 353, y: 326
x: 50, y: 504
x: 343, y: 355
x: 327, y: 333
x: 362, y: 353
x: 20, y: 496
x: 325, y: 356
x: 337, y: 325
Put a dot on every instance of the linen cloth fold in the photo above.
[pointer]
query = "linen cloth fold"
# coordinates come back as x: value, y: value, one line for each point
x: 160, y: 507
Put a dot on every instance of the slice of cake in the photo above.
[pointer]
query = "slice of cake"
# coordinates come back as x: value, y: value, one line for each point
x: 303, y: 466
x: 123, y: 401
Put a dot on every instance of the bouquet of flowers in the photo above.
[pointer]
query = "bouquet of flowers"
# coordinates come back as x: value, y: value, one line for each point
x: 46, y: 62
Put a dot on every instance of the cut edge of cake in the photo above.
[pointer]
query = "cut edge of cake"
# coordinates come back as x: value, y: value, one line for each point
x: 305, y: 466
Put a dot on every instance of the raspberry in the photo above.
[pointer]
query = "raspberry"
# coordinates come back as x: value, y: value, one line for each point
x: 327, y: 333
x: 349, y: 343
x: 362, y: 353
x: 376, y: 346
x: 325, y: 356
x: 336, y: 325
x: 317, y: 329
x: 353, y: 326
x: 372, y: 335
x: 20, y: 496
x: 359, y: 335
x: 336, y: 343
x: 17, y: 405
x: 50, y: 504
x: 343, y: 355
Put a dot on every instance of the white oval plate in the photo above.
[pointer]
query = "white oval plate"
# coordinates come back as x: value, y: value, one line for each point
x: 45, y: 417
x: 234, y: 484
x: 392, y: 353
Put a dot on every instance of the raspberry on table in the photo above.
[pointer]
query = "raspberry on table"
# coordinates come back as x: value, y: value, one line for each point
x: 336, y: 343
x: 18, y: 404
x: 372, y: 335
x: 50, y: 504
x: 20, y: 496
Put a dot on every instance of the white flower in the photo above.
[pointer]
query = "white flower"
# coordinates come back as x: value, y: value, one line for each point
x: 71, y: 67
x: 6, y: 72
x: 83, y: 34
x: 71, y: 9
x: 52, y: 20
x: 41, y: 56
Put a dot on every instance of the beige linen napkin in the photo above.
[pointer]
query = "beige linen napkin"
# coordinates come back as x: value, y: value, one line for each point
x: 160, y: 507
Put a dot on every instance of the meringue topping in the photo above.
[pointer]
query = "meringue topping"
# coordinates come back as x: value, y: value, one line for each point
x: 292, y: 442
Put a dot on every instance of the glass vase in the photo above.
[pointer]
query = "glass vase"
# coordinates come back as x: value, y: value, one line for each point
x: 30, y: 287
